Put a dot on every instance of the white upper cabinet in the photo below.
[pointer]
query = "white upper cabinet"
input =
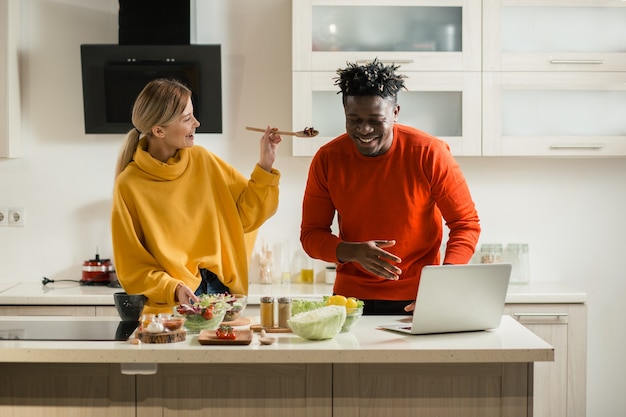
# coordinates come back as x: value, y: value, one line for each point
x: 554, y: 114
x: 490, y: 77
x: 554, y: 35
x: 10, y: 114
x: 444, y: 104
x: 419, y: 35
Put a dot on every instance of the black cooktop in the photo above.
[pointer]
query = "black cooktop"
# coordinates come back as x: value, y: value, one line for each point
x: 67, y: 328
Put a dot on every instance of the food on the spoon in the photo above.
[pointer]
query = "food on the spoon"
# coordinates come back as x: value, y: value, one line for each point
x: 309, y: 131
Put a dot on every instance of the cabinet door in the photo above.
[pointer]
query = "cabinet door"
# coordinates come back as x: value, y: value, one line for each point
x: 559, y: 386
x: 10, y: 115
x: 566, y: 114
x: 422, y: 35
x: 67, y: 389
x: 554, y: 35
x: 235, y: 390
x: 444, y: 104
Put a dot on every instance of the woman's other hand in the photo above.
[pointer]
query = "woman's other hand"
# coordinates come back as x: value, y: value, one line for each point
x: 269, y: 145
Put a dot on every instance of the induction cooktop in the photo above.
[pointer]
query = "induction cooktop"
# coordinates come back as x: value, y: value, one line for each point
x: 67, y: 328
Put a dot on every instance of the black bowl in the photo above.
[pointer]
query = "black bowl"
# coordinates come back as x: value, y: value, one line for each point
x: 128, y: 306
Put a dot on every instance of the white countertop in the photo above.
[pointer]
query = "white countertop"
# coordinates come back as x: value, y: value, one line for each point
x: 511, y: 342
x: 71, y: 293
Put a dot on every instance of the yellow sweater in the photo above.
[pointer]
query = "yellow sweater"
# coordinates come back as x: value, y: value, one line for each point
x: 194, y: 211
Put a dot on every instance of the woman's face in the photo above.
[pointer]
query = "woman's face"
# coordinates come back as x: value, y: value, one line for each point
x: 180, y: 134
x: 369, y: 123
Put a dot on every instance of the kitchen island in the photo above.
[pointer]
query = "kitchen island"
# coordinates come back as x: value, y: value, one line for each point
x: 365, y: 372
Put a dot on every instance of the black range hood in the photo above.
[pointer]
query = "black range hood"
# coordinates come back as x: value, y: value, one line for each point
x: 114, y: 74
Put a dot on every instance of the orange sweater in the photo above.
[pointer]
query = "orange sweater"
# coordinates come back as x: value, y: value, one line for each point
x: 401, y: 195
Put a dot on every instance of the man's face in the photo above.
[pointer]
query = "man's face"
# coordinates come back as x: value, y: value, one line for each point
x: 369, y: 123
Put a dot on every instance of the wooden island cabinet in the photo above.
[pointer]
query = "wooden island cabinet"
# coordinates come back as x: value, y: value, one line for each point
x: 554, y: 312
x: 367, y: 371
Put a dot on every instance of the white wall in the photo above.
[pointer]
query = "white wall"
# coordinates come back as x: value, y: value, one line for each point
x: 570, y: 211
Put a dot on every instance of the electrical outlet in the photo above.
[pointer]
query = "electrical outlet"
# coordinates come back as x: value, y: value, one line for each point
x: 4, y: 216
x: 16, y: 216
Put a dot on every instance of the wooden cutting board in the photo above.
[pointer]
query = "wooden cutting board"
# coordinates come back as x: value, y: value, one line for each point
x: 162, y: 337
x: 208, y: 337
x: 257, y: 328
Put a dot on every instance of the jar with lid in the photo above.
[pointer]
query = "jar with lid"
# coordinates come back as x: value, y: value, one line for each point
x: 330, y: 274
x: 517, y: 255
x: 284, y: 311
x: 267, y: 311
x: 490, y: 253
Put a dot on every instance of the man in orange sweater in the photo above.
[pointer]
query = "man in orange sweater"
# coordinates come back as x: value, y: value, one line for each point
x: 390, y: 185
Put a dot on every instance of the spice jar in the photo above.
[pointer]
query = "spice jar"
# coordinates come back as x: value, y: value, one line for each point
x: 284, y: 311
x: 490, y: 253
x: 267, y: 312
x: 330, y: 274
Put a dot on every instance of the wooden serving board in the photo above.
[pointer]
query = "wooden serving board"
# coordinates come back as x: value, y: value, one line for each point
x: 208, y: 337
x: 162, y: 337
x: 258, y: 328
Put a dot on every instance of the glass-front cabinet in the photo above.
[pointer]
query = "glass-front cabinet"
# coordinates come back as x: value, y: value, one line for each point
x: 554, y: 77
x: 421, y: 35
x: 490, y: 77
x: 554, y: 114
x: 446, y: 105
x: 435, y: 43
x: 554, y: 35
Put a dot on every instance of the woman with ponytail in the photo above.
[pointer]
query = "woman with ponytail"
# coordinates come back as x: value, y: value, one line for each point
x: 183, y: 220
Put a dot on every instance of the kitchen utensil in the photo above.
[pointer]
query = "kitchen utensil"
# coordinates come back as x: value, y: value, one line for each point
x: 97, y: 271
x: 129, y: 306
x: 300, y: 134
x: 265, y: 340
x: 208, y: 337
x: 173, y: 336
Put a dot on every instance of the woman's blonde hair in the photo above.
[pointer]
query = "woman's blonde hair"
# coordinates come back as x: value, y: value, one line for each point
x: 160, y: 103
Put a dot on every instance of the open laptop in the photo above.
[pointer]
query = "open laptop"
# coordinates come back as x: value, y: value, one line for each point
x: 458, y: 298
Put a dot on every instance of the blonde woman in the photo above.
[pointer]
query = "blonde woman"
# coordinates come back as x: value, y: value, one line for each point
x: 182, y: 218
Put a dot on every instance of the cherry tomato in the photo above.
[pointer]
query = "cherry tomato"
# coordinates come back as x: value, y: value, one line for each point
x: 207, y: 313
x: 226, y: 332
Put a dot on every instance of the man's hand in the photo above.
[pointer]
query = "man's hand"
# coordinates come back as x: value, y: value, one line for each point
x: 371, y: 257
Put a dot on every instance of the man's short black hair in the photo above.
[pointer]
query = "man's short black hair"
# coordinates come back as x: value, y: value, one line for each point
x: 371, y: 79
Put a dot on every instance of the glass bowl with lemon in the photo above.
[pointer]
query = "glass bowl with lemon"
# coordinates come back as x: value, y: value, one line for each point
x: 354, y: 309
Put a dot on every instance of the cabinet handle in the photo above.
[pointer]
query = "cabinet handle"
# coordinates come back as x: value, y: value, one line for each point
x: 578, y: 146
x: 540, y: 314
x: 576, y: 61
x: 138, y: 368
x: 386, y: 61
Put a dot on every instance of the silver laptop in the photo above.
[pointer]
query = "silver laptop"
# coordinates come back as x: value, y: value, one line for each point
x: 458, y: 298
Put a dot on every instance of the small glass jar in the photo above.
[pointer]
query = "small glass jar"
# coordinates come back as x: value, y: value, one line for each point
x: 284, y: 311
x: 267, y: 312
x: 490, y: 253
x: 330, y: 274
x: 517, y: 255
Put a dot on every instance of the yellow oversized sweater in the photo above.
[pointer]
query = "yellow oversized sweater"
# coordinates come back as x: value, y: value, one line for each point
x: 194, y: 211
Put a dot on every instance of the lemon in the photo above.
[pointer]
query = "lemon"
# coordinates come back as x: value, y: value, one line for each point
x: 352, y: 302
x: 337, y: 300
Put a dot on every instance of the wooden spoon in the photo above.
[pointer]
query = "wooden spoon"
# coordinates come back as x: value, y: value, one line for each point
x: 264, y: 339
x: 301, y: 134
